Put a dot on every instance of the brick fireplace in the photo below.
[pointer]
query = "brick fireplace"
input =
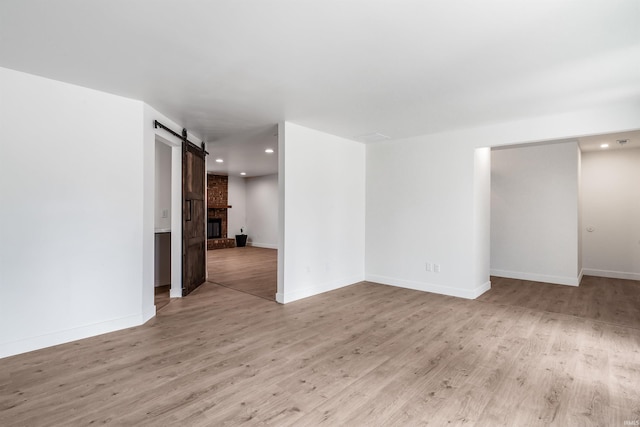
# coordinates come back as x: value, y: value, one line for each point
x: 217, y: 207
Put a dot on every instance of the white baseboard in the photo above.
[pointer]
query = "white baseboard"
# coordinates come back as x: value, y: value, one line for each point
x: 482, y: 289
x: 309, y: 291
x: 61, y: 337
x: 534, y: 277
x: 611, y: 274
x: 148, y: 313
x: 263, y: 245
x: 430, y: 287
x: 176, y: 291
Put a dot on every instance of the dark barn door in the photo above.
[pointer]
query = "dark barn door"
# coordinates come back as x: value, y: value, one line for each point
x: 193, y: 218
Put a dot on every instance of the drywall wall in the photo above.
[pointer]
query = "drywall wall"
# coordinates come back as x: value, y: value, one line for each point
x: 482, y: 218
x: 262, y: 211
x: 162, y: 193
x: 580, y: 219
x: 534, y: 213
x: 71, y: 233
x: 88, y: 225
x: 420, y: 210
x: 421, y: 196
x: 611, y: 209
x: 237, y: 215
x: 323, y: 201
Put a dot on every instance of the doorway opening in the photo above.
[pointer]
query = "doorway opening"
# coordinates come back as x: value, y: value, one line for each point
x: 563, y: 209
x: 243, y: 204
x: 162, y: 223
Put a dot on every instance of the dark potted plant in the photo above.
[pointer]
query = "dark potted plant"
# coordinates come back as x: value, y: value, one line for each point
x: 241, y: 239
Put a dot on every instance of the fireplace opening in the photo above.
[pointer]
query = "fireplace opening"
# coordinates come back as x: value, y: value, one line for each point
x: 214, y: 228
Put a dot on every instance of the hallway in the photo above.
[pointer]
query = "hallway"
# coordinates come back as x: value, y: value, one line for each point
x: 248, y: 269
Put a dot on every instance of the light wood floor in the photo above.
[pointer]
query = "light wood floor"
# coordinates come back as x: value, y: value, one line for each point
x: 161, y: 296
x: 613, y: 301
x: 247, y: 269
x: 364, y: 355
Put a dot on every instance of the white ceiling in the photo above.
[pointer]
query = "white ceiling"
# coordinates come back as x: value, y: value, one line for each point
x: 245, y: 152
x: 593, y: 143
x: 348, y: 68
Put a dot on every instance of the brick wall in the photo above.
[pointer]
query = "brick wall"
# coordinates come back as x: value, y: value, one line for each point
x: 218, y: 195
x: 217, y: 190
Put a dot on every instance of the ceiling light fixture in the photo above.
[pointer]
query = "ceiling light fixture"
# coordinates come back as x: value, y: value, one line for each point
x: 243, y: 173
x: 219, y: 160
x: 269, y: 150
x: 604, y: 145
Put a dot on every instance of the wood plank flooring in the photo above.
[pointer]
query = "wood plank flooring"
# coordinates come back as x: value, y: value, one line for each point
x: 247, y: 269
x: 161, y: 296
x: 364, y: 355
x: 614, y: 301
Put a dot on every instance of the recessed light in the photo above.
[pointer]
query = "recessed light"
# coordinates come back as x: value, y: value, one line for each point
x: 269, y: 150
x: 219, y: 160
x: 243, y: 173
x: 604, y: 145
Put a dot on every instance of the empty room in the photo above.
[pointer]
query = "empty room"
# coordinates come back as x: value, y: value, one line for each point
x: 319, y: 213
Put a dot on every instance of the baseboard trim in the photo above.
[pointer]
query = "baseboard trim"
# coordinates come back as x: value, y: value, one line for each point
x: 430, y: 287
x: 263, y: 245
x: 309, y: 291
x: 482, y: 289
x: 534, y: 277
x: 611, y: 274
x: 148, y: 313
x: 65, y: 336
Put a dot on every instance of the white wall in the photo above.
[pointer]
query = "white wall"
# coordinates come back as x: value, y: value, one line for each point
x: 420, y: 209
x: 77, y: 235
x: 534, y: 213
x: 421, y: 197
x: 611, y: 206
x: 262, y: 211
x: 482, y: 218
x: 323, y: 199
x: 162, y: 201
x: 580, y: 219
x: 237, y: 215
x: 71, y: 233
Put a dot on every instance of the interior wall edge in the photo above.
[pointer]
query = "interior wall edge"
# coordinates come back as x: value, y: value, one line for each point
x: 430, y: 287
x: 536, y: 277
x: 611, y: 274
x: 316, y: 289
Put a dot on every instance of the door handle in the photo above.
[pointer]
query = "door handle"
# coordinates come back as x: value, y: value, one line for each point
x: 189, y: 211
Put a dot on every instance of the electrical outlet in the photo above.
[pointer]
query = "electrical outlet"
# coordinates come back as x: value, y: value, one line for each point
x: 436, y: 268
x: 428, y: 266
